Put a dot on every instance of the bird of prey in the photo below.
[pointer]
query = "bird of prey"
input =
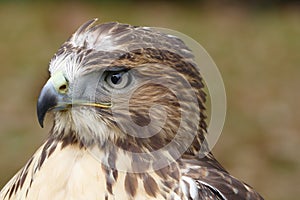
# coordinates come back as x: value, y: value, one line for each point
x: 129, y: 122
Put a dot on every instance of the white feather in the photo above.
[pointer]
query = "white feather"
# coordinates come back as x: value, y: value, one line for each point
x: 193, y: 189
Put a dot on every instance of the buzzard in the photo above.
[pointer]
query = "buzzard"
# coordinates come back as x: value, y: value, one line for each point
x: 128, y: 110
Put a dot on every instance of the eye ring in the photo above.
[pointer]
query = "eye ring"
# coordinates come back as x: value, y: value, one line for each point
x: 117, y: 80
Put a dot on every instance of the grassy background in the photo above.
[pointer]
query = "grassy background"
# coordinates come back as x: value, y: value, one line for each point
x: 257, y: 52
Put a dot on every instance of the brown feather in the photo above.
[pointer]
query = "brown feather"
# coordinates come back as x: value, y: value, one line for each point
x: 87, y: 145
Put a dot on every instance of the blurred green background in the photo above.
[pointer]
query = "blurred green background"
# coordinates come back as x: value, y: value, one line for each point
x: 255, y: 45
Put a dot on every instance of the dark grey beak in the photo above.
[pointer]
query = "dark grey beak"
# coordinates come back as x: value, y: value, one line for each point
x: 47, y: 100
x: 53, y: 93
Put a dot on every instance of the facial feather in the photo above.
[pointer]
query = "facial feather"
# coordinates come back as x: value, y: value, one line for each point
x: 138, y: 139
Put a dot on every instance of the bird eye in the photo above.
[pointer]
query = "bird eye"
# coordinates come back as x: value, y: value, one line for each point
x: 117, y: 80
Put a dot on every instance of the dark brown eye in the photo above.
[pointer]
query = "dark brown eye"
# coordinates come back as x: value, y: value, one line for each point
x: 117, y: 80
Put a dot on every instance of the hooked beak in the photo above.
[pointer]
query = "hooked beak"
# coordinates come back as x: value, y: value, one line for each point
x: 54, y: 96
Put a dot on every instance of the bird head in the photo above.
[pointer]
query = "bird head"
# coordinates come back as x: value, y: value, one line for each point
x: 135, y: 88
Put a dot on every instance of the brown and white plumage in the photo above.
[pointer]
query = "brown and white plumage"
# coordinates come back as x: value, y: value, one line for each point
x: 94, y: 152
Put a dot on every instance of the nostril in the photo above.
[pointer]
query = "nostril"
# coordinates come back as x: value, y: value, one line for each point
x: 63, y: 88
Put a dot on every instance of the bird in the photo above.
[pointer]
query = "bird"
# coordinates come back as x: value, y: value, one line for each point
x: 128, y: 122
